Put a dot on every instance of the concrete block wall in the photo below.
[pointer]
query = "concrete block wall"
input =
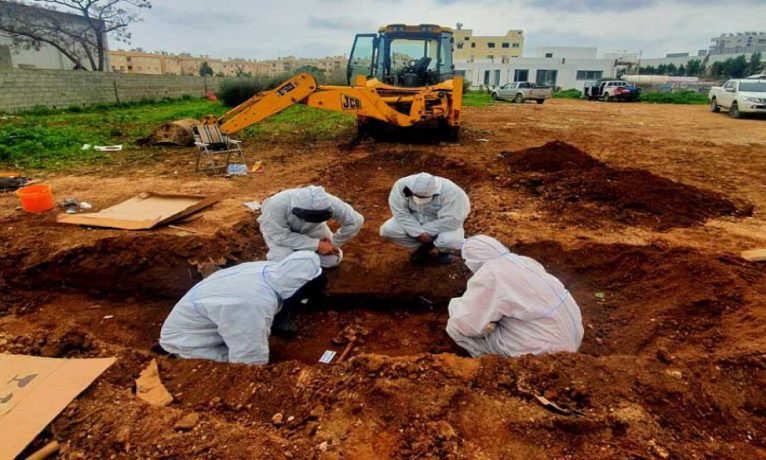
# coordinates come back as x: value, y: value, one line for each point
x: 23, y: 89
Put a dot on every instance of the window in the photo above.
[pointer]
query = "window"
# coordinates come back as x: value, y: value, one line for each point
x: 521, y: 75
x: 486, y: 77
x: 589, y: 74
x: 546, y: 77
x: 506, y: 45
x: 515, y: 45
x: 497, y: 77
x: 490, y: 58
x: 467, y: 38
x: 460, y: 45
x: 491, y: 45
x: 473, y: 45
x: 549, y: 55
x: 506, y: 59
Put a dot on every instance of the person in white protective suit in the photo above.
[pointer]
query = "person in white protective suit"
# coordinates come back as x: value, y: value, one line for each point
x: 228, y: 316
x: 511, y: 306
x: 296, y: 220
x: 428, y: 212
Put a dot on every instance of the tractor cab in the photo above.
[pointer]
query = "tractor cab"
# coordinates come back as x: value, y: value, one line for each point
x: 403, y: 56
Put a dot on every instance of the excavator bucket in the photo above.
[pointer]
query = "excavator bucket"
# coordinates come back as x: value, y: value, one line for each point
x: 269, y: 103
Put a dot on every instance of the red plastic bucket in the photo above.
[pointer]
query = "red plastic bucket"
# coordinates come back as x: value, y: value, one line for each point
x: 36, y: 198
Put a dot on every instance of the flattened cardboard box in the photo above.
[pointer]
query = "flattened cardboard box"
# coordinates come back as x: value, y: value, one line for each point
x: 34, y: 390
x: 142, y: 212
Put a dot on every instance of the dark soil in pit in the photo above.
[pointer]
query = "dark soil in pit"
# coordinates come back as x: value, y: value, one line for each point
x: 384, y: 326
x: 644, y: 378
x: 578, y: 187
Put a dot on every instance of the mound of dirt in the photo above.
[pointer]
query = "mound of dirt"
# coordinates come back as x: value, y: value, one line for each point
x: 642, y: 299
x: 551, y: 157
x: 582, y: 188
x: 134, y: 264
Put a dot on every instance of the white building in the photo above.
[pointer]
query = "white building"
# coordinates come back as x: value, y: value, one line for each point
x: 569, y: 52
x: 567, y: 69
x: 47, y: 56
x: 739, y: 43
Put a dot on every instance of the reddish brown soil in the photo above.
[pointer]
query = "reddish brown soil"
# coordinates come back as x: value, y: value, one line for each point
x: 578, y: 186
x: 672, y: 363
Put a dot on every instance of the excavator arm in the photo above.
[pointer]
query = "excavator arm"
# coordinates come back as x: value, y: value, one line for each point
x: 362, y: 100
x: 266, y: 104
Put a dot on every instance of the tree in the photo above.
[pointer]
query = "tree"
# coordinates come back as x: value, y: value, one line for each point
x: 756, y: 66
x: 76, y: 28
x: 694, y: 68
x: 738, y: 67
x: 240, y: 72
x: 205, y: 70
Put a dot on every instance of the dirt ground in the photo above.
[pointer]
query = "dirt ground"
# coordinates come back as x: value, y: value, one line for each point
x: 641, y: 210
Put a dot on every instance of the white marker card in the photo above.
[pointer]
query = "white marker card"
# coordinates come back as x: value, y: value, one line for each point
x: 327, y: 357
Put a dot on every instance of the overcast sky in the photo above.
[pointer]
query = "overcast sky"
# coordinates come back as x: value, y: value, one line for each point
x: 314, y: 28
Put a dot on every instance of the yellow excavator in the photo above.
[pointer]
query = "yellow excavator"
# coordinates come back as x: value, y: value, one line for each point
x: 401, y: 77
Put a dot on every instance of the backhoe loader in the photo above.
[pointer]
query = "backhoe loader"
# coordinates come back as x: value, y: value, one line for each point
x: 401, y: 77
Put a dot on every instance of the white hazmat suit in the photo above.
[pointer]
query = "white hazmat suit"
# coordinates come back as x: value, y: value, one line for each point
x: 512, y: 306
x: 284, y: 232
x: 442, y: 218
x: 227, y: 317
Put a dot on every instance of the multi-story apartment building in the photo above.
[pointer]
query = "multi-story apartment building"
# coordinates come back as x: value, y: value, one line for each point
x: 186, y: 64
x: 469, y: 47
x: 741, y: 42
x: 43, y: 55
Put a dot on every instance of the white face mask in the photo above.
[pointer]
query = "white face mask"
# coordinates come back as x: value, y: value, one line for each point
x: 422, y: 201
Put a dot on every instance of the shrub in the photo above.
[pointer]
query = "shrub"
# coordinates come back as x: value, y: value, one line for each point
x: 235, y: 91
x: 568, y: 94
x: 681, y: 97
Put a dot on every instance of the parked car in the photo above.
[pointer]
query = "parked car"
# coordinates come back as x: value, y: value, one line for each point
x: 611, y: 90
x: 739, y: 97
x: 521, y: 91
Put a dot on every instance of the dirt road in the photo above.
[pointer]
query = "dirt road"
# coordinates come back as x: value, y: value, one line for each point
x: 646, y: 205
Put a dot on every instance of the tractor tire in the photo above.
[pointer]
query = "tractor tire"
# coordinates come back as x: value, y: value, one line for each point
x: 734, y: 111
x: 714, y: 107
x: 452, y: 134
x: 519, y: 99
x: 541, y: 101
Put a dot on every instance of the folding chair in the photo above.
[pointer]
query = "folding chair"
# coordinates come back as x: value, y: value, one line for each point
x: 215, y: 148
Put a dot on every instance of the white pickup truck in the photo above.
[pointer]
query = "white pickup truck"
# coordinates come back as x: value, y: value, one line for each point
x: 521, y: 91
x: 739, y: 97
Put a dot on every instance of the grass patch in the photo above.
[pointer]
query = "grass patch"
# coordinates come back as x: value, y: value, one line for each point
x: 43, y: 138
x: 682, y: 97
x: 568, y: 94
x: 477, y: 99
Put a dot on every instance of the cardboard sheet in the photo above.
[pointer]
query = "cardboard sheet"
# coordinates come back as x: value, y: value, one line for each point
x: 34, y: 390
x: 142, y: 212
